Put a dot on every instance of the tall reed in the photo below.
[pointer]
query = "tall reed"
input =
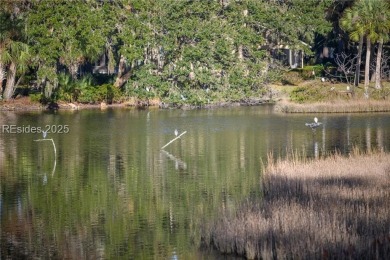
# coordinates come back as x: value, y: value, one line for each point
x: 334, y: 207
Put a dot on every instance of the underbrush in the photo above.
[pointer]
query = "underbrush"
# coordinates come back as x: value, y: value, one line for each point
x: 87, y: 90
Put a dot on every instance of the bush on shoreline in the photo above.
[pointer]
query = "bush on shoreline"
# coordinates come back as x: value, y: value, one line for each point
x: 331, y: 208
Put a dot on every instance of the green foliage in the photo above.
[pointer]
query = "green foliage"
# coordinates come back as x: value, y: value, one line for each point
x: 97, y: 94
x: 15, y: 54
x: 170, y: 47
x: 382, y: 93
x: 69, y: 33
x: 297, y: 76
x: 292, y: 77
x: 310, y: 72
x: 36, y: 97
x: 66, y: 89
x: 307, y: 71
x: 367, y: 18
x: 85, y: 90
x: 308, y: 93
x: 144, y: 83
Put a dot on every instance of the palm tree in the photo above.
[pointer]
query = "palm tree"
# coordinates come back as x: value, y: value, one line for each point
x: 382, y: 24
x: 4, y: 45
x: 349, y: 22
x: 4, y: 59
x: 14, y: 53
x: 367, y: 19
x: 18, y: 56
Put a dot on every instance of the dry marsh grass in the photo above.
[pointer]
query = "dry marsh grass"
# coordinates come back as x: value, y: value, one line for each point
x: 332, y: 208
x: 336, y: 106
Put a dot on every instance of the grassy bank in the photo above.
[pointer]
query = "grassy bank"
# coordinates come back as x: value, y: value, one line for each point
x: 330, y: 208
x: 314, y: 96
x: 336, y: 106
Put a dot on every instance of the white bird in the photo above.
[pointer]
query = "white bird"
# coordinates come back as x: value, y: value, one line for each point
x: 314, y: 125
x: 323, y: 79
x: 176, y: 132
x: 44, y: 133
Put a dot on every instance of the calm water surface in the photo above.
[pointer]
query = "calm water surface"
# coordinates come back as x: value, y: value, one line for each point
x: 110, y: 192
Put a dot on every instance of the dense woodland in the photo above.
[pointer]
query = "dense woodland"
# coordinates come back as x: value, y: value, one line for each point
x: 184, y: 51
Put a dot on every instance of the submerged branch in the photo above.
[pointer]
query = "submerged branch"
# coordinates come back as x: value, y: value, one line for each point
x: 179, y: 163
x: 54, y: 145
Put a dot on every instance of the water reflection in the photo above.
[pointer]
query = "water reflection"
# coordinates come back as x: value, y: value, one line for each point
x: 179, y: 164
x: 116, y: 194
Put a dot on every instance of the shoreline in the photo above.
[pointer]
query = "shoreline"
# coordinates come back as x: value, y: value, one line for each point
x: 281, y: 106
x: 338, y: 106
x: 23, y: 104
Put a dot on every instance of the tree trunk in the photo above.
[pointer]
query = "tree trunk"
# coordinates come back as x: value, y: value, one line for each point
x: 359, y: 61
x: 372, y: 68
x: 121, y: 71
x: 73, y: 69
x: 367, y: 67
x: 122, y: 76
x: 240, y: 53
x: 2, y: 77
x: 378, y: 65
x: 110, y: 59
x: 10, y: 84
x: 241, y: 47
x: 120, y: 81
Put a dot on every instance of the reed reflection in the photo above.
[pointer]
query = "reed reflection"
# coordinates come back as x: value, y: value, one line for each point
x: 115, y: 194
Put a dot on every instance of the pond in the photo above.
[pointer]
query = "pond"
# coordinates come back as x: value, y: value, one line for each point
x: 109, y: 191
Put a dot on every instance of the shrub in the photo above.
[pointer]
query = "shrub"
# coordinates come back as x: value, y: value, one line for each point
x: 36, y: 97
x: 66, y: 88
x: 307, y: 93
x: 292, y: 77
x: 307, y: 71
x: 97, y: 94
x: 382, y: 93
x: 297, y: 76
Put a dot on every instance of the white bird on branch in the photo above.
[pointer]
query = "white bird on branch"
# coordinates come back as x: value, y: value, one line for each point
x: 314, y: 125
x: 44, y: 133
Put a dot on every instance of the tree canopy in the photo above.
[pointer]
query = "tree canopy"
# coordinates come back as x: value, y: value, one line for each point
x: 190, y: 49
